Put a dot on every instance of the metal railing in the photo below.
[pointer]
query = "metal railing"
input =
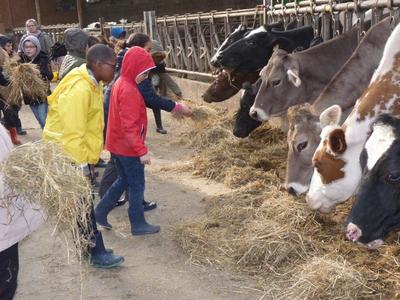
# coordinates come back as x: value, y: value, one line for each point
x: 192, y: 39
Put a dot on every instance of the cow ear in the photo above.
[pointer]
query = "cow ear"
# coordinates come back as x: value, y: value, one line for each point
x: 331, y: 116
x: 337, y: 141
x: 293, y: 76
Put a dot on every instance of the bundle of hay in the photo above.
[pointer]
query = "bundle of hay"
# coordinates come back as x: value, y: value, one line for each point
x: 26, y: 81
x: 45, y: 176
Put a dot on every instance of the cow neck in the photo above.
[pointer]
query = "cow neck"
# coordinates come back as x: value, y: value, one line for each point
x: 356, y: 72
x: 320, y: 63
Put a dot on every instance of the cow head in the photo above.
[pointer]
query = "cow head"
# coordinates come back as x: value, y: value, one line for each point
x: 376, y: 210
x: 251, y: 52
x: 303, y: 139
x: 336, y: 163
x: 236, y: 35
x: 227, y: 85
x: 244, y: 124
x: 280, y: 77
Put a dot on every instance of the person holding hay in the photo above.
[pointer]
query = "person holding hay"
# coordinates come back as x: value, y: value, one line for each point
x: 32, y: 54
x: 76, y: 121
x: 19, y: 218
x: 7, y: 45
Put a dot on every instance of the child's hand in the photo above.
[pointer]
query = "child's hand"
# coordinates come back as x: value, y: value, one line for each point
x: 186, y: 110
x: 183, y: 109
x: 145, y: 159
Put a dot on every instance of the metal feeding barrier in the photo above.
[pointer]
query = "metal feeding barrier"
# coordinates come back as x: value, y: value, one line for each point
x: 191, y: 40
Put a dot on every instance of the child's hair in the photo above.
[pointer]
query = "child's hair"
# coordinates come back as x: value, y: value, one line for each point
x: 137, y: 39
x: 92, y: 40
x: 100, y: 54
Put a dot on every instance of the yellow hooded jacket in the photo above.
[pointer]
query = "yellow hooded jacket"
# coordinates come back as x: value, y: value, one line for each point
x: 76, y: 117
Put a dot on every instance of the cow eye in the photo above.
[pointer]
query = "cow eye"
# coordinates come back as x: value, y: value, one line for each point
x: 300, y: 147
x: 393, y: 178
x: 276, y: 82
x: 251, y: 43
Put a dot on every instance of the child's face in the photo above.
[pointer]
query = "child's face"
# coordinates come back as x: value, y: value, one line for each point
x: 30, y: 49
x: 148, y: 46
x: 104, y: 71
x: 142, y: 77
x: 9, y: 48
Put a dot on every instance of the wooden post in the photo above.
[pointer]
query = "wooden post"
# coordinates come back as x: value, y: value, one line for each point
x: 38, y: 15
x: 80, y: 13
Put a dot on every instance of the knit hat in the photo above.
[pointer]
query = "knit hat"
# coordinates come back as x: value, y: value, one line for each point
x: 118, y: 32
x: 34, y: 40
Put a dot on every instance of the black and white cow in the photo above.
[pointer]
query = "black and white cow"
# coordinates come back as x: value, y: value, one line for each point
x: 253, y: 51
x: 377, y: 208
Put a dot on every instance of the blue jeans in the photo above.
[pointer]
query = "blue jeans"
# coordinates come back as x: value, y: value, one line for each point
x: 40, y: 112
x: 131, y: 177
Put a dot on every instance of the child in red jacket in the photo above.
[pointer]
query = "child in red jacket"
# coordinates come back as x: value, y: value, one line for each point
x: 125, y: 139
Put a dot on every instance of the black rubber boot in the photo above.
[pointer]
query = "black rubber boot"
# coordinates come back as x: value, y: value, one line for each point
x: 139, y: 226
x: 101, y: 212
x: 101, y: 258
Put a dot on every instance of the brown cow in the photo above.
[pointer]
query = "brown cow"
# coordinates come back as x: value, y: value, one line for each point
x: 337, y: 170
x: 344, y: 89
x: 291, y: 79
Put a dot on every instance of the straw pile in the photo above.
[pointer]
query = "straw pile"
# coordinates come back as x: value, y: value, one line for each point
x: 26, y: 81
x: 292, y: 252
x: 45, y: 176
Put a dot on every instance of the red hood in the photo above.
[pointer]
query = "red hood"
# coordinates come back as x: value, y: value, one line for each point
x: 136, y: 61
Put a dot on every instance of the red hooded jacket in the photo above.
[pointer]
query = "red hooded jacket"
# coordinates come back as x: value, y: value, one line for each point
x: 127, y: 118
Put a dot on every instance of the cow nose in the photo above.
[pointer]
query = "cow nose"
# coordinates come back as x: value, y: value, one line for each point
x: 292, y: 191
x: 353, y: 232
x: 253, y: 113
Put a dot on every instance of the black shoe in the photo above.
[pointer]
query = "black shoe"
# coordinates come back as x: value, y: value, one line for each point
x: 161, y: 130
x: 21, y: 131
x: 149, y: 205
x: 121, y: 201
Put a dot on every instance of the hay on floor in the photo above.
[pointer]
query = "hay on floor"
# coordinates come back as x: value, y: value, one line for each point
x: 292, y: 252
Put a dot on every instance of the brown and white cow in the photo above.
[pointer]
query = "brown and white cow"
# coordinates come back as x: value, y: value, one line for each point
x: 344, y: 89
x: 337, y: 171
x: 291, y: 79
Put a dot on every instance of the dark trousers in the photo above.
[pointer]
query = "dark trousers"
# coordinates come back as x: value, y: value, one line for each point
x: 10, y: 112
x: 9, y: 266
x: 110, y: 175
x: 131, y: 177
x: 157, y: 117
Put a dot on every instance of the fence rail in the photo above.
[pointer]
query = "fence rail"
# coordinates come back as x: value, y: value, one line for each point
x: 192, y: 39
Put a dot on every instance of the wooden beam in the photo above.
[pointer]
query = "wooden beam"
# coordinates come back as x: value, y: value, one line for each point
x: 79, y: 9
x: 38, y: 15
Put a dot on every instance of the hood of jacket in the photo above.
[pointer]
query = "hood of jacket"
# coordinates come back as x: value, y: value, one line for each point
x: 136, y: 61
x: 76, y: 42
x: 34, y: 40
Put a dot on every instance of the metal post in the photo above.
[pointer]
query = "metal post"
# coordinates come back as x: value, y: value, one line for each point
x: 150, y: 23
x: 38, y: 15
